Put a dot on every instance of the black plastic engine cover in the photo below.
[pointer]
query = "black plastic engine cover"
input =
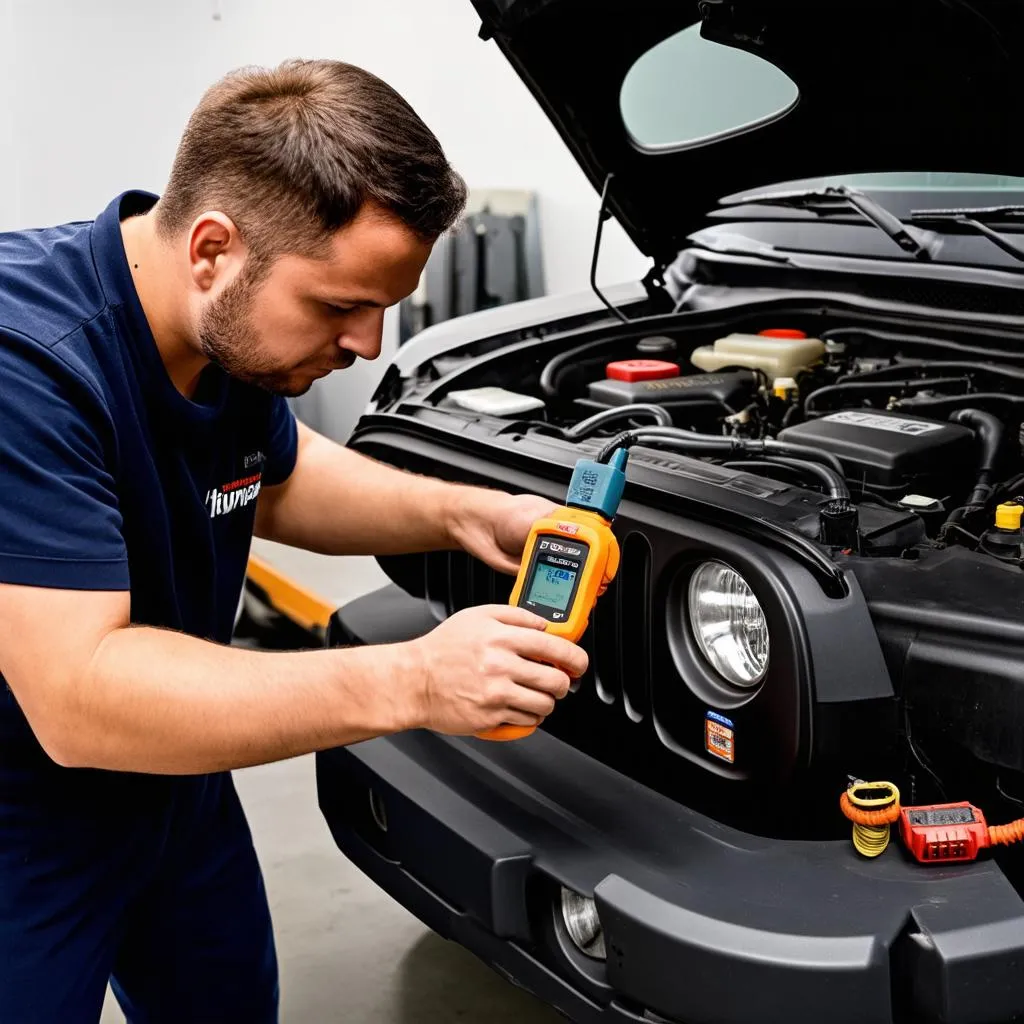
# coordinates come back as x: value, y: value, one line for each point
x: 731, y: 389
x: 891, y: 451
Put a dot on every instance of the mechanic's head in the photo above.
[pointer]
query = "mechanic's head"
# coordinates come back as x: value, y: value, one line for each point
x: 307, y: 199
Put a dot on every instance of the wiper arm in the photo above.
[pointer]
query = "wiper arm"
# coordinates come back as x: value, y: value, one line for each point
x: 975, y: 218
x: 840, y: 195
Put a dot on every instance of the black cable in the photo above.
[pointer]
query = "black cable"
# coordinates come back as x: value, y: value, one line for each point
x: 919, y: 754
x: 938, y: 406
x: 600, y: 419
x: 1006, y: 796
x: 1014, y: 485
x: 898, y: 370
x: 957, y: 528
x: 674, y: 438
x: 751, y: 445
x: 833, y: 483
x: 891, y: 337
x: 866, y: 496
x: 881, y: 386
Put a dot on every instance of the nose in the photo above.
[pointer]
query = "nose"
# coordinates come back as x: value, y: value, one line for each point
x: 363, y: 332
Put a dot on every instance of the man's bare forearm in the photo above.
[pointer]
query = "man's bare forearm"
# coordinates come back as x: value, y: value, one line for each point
x: 341, y: 502
x: 158, y: 701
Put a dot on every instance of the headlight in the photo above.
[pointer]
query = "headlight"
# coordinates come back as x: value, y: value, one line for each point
x: 729, y: 624
x: 579, y: 913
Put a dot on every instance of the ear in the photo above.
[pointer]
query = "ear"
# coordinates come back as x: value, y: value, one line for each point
x: 215, y: 249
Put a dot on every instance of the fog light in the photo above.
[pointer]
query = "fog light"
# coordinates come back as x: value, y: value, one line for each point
x: 729, y: 624
x: 579, y: 913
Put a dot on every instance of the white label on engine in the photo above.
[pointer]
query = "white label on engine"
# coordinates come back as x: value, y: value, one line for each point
x: 891, y: 423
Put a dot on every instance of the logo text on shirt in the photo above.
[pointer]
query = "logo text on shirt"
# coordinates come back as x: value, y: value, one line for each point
x: 228, y: 497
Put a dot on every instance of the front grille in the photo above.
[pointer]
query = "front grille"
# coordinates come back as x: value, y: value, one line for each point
x: 618, y: 639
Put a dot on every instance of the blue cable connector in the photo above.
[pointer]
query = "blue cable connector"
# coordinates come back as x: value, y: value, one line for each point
x: 598, y: 486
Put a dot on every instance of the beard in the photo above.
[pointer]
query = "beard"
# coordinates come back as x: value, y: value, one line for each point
x: 228, y: 338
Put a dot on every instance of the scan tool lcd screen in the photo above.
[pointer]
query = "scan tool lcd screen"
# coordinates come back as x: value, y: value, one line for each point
x: 551, y: 585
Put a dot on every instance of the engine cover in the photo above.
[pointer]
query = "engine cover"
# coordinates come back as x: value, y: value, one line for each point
x: 722, y: 389
x: 890, y: 452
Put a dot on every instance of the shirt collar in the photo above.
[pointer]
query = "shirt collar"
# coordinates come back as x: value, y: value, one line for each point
x: 119, y: 288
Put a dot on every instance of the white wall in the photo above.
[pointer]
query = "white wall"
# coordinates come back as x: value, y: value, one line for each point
x: 98, y: 91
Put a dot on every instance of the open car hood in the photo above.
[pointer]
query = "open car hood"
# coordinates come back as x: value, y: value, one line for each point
x: 913, y: 85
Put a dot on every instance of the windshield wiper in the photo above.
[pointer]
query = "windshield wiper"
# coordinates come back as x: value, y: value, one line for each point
x: 977, y: 218
x: 821, y: 200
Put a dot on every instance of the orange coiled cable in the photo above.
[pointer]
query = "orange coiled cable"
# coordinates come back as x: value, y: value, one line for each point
x: 1010, y: 833
x: 860, y: 816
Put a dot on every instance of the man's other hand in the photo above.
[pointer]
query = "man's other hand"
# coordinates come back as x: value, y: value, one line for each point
x: 493, y: 525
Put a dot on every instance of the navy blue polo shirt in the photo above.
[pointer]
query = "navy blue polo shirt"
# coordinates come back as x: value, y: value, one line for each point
x: 110, y: 479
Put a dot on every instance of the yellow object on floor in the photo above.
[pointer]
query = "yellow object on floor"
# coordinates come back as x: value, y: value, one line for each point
x: 304, y: 607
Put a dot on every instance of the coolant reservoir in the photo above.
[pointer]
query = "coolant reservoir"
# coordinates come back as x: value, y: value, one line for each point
x: 779, y: 353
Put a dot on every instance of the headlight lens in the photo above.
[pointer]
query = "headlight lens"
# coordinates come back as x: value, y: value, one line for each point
x: 729, y: 624
x: 579, y: 913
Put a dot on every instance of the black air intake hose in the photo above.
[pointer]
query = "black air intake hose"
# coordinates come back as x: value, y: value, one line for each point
x: 989, y: 431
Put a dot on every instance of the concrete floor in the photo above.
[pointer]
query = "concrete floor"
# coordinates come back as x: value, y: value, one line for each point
x: 348, y: 953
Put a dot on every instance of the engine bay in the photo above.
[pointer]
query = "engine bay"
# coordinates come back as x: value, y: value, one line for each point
x: 911, y: 441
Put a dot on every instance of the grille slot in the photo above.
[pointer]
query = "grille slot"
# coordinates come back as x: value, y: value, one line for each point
x: 460, y: 581
x: 634, y: 624
x: 436, y: 587
x: 605, y: 620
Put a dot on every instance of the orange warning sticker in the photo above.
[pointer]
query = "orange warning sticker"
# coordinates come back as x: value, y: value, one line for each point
x: 719, y: 737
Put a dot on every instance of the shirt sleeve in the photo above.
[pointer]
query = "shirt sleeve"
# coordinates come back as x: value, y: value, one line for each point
x: 60, y: 525
x: 283, y: 443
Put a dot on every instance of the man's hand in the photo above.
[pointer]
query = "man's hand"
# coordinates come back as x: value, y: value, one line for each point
x: 489, y: 665
x: 493, y: 525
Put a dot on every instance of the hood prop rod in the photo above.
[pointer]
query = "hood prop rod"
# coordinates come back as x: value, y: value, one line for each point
x: 603, y: 214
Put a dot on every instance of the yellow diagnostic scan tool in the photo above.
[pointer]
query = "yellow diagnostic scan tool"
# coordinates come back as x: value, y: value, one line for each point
x: 569, y: 558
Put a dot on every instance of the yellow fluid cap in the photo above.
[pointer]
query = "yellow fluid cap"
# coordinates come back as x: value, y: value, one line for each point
x: 1008, y: 515
x: 782, y: 386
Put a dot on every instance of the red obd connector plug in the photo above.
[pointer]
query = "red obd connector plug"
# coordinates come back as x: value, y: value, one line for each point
x: 943, y: 833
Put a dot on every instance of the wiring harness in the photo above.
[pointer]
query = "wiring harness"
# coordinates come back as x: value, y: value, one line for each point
x: 933, y: 833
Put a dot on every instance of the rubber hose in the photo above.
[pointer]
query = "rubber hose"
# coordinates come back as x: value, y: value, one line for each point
x: 835, y: 484
x: 901, y: 369
x: 549, y: 375
x: 686, y: 440
x: 990, y: 432
x: 586, y: 427
x: 948, y: 402
x: 892, y: 337
x: 879, y: 386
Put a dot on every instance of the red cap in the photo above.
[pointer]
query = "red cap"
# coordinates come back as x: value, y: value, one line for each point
x: 641, y: 369
x: 782, y: 332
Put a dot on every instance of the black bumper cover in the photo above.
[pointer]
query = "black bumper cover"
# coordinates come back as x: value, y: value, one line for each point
x: 702, y: 923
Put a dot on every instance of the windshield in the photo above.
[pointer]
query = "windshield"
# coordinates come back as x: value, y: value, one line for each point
x: 687, y: 90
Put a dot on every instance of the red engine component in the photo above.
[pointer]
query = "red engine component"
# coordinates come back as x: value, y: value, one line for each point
x: 641, y: 369
x: 943, y: 833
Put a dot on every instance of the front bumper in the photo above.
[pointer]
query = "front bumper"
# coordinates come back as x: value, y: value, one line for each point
x: 702, y: 923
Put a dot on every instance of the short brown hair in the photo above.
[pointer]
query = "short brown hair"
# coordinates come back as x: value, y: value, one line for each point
x: 292, y: 153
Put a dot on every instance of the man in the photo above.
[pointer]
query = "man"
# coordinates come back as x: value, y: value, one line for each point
x: 144, y: 436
